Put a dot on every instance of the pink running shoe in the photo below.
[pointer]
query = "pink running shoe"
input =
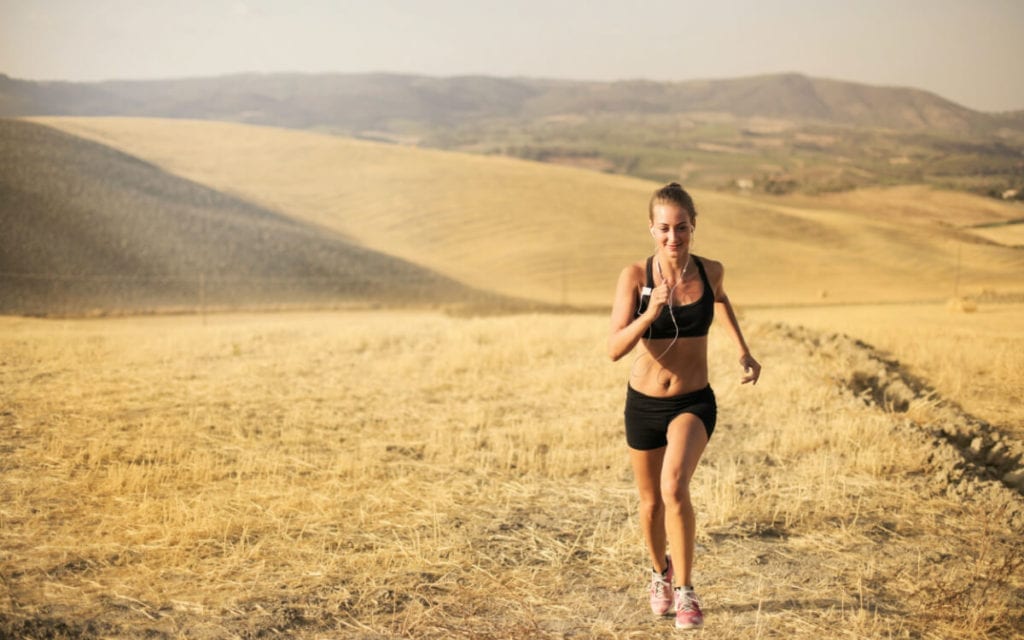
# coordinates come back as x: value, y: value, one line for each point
x: 661, y: 590
x: 688, y: 614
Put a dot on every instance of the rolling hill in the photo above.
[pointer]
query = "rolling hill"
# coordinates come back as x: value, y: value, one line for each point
x: 776, y: 133
x: 87, y: 228
x: 560, y: 235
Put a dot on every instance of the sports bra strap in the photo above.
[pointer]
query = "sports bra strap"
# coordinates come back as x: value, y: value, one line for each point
x: 703, y: 274
x: 700, y: 269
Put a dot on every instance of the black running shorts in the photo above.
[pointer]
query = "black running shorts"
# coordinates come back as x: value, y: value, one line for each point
x: 648, y: 417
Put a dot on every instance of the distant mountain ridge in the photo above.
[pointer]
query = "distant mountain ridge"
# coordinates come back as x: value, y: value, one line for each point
x: 772, y: 134
x: 357, y: 102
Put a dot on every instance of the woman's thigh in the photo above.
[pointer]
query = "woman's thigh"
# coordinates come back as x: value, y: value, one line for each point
x: 687, y: 439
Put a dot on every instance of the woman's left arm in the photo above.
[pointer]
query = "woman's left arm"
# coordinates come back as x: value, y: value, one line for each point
x: 724, y: 311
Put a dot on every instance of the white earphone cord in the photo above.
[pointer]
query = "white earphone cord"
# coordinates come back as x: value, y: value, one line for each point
x: 671, y: 294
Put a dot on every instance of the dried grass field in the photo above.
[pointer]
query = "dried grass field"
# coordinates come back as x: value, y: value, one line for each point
x: 560, y: 235
x: 387, y: 474
x: 386, y: 470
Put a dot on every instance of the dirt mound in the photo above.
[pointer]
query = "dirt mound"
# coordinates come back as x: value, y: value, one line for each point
x: 971, y: 457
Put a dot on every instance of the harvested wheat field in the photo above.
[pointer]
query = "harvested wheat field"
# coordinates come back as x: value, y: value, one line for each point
x: 560, y: 235
x: 410, y: 474
x: 379, y: 463
x: 975, y: 358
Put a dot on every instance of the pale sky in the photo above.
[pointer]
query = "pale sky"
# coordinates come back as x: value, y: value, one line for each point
x: 970, y: 52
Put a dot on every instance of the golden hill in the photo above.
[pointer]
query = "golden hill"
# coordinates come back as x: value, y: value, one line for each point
x: 88, y: 229
x: 558, y: 234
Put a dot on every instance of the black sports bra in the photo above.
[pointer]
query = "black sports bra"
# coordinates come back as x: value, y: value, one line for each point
x: 691, y: 320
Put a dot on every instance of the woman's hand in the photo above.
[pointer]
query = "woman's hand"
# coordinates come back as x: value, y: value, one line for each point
x: 659, y: 298
x: 751, y: 368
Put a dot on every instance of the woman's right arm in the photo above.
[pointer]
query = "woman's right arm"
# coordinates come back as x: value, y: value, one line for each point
x: 626, y: 330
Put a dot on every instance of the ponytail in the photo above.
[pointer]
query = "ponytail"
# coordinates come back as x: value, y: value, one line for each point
x: 672, y: 193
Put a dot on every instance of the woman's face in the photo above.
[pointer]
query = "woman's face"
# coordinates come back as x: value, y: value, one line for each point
x: 672, y: 228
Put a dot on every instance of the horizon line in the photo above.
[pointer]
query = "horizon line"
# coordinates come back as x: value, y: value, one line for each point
x: 456, y: 76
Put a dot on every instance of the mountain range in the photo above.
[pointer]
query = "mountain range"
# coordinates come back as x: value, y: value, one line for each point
x: 353, y: 102
x: 775, y: 133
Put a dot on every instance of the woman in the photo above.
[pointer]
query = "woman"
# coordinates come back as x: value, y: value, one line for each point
x: 666, y: 304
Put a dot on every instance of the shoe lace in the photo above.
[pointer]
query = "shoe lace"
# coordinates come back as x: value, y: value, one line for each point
x: 660, y: 588
x: 687, y: 601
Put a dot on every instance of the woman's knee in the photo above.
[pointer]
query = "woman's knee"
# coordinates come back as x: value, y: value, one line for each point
x: 675, y: 492
x: 651, y: 505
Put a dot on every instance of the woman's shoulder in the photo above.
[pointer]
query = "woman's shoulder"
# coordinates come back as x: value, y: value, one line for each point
x: 708, y: 262
x: 713, y: 268
x: 633, y: 275
x: 636, y: 269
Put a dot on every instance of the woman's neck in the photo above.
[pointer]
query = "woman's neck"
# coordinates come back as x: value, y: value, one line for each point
x: 676, y: 267
x: 675, y: 264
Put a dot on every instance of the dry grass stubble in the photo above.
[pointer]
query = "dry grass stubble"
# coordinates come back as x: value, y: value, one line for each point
x: 975, y: 359
x: 374, y: 475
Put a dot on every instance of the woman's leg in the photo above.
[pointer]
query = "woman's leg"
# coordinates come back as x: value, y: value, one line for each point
x: 686, y: 441
x: 647, y: 471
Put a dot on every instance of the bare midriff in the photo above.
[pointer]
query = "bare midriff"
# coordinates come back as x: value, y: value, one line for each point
x: 682, y: 369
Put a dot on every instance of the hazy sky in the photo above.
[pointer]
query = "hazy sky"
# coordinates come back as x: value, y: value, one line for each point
x: 968, y: 51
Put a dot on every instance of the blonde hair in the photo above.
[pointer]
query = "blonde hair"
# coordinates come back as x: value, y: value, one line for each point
x: 673, y: 193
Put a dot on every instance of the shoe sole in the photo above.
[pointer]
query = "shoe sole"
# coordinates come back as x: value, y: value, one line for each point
x: 669, y: 611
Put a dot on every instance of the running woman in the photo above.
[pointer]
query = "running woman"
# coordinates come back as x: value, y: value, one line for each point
x: 666, y: 304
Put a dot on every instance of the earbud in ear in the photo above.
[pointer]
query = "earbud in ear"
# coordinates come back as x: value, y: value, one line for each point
x: 652, y: 232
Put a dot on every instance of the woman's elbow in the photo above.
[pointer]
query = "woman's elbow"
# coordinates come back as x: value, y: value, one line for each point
x: 615, y: 353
